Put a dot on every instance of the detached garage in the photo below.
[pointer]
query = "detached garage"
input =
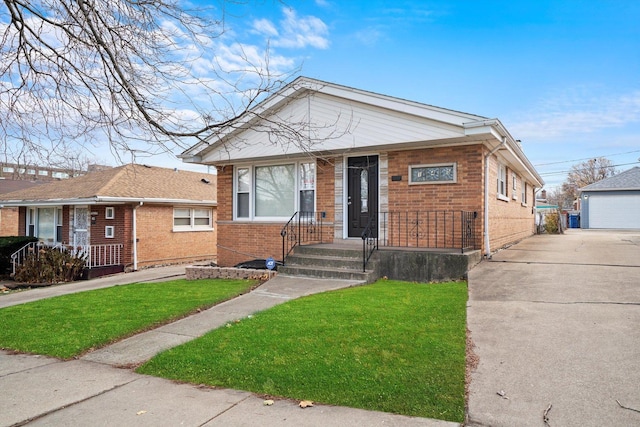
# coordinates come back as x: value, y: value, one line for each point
x: 613, y: 202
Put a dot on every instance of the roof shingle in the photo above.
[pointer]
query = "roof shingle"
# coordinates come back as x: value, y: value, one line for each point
x: 130, y: 181
x: 627, y: 180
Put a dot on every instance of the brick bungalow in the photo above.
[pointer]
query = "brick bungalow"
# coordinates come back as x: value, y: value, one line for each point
x: 130, y: 216
x: 416, y: 175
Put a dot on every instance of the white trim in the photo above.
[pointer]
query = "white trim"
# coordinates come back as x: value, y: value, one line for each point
x: 251, y: 167
x: 109, y: 232
x: 192, y: 220
x: 109, y: 212
x: 345, y: 191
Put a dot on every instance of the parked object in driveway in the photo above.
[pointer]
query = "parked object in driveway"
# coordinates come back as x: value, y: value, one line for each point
x: 257, y: 264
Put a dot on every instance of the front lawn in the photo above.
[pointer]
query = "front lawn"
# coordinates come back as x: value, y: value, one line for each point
x: 392, y: 346
x: 69, y: 325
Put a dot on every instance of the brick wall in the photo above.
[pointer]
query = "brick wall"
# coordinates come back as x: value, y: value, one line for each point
x: 244, y: 240
x: 158, y: 244
x: 463, y: 195
x: 9, y: 225
x: 509, y: 220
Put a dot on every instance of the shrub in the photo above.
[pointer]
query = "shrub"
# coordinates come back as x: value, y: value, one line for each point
x: 8, y: 246
x: 50, y: 265
x: 552, y: 223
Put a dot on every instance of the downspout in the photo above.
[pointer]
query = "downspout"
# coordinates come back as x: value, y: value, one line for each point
x: 135, y: 238
x: 487, y: 246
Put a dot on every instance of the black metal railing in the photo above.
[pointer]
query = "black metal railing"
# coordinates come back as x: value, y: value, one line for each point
x: 303, y: 228
x: 369, y: 241
x: 429, y: 229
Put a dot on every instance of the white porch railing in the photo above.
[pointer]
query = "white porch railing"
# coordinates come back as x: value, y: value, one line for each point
x: 104, y: 255
x: 94, y: 255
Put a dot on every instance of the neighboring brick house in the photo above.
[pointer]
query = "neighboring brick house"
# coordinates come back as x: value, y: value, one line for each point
x: 413, y: 170
x: 9, y: 216
x: 131, y: 216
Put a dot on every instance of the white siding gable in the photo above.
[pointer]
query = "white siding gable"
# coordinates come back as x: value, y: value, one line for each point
x: 330, y: 123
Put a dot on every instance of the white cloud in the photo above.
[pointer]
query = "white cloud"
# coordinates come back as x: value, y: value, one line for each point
x: 577, y: 111
x: 293, y: 32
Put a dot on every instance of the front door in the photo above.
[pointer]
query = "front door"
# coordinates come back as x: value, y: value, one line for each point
x: 81, y: 228
x: 362, y: 194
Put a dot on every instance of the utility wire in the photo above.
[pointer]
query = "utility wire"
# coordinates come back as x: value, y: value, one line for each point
x: 586, y: 158
x: 583, y: 169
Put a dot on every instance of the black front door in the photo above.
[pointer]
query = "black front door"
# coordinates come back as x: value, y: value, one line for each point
x: 362, y: 194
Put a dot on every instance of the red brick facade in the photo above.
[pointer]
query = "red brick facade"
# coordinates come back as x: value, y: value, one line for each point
x: 157, y: 242
x: 509, y: 222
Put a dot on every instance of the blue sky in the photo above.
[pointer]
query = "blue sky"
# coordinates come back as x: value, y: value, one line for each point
x: 563, y: 76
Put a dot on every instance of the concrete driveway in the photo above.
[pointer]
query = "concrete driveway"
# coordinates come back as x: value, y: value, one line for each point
x: 556, y: 324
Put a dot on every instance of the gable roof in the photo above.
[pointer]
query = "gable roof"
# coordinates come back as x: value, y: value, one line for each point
x: 331, y: 119
x: 129, y: 183
x: 627, y: 180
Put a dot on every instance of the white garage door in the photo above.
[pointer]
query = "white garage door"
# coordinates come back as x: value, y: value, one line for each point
x: 614, y: 211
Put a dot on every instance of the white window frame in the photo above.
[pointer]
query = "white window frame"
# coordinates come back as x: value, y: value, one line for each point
x: 514, y: 193
x: 109, y: 212
x: 109, y: 232
x: 193, y: 217
x: 299, y: 187
x: 32, y: 219
x: 452, y: 165
x: 501, y: 182
x: 524, y: 193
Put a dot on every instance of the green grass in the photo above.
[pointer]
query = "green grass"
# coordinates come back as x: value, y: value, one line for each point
x: 392, y: 346
x: 69, y: 325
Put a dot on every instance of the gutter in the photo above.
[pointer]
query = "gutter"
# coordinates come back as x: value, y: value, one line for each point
x: 135, y: 237
x: 487, y: 245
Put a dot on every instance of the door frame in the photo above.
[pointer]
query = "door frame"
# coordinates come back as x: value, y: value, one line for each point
x: 345, y: 192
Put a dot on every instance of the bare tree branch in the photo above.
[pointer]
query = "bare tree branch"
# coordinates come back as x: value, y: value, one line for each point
x: 131, y: 73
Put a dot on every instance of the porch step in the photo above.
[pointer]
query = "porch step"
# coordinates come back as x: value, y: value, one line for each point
x: 329, y: 262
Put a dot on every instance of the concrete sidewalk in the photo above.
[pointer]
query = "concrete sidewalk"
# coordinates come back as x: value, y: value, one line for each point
x: 556, y: 324
x: 94, y: 391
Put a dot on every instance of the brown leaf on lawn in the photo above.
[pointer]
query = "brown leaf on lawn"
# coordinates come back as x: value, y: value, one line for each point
x: 306, y: 403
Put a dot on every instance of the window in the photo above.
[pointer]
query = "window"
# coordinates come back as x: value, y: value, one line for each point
x: 31, y: 222
x: 45, y: 224
x: 43, y: 173
x: 502, y: 182
x: 61, y: 175
x: 192, y: 219
x: 307, y: 187
x: 31, y: 171
x: 7, y: 169
x: 59, y: 225
x: 444, y: 173
x: 274, y: 192
x: 109, y: 232
x: 524, y: 194
x: 243, y: 188
x: 514, y: 193
x: 109, y: 212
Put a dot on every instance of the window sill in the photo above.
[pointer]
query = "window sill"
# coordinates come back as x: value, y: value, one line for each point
x: 502, y: 197
x: 188, y: 230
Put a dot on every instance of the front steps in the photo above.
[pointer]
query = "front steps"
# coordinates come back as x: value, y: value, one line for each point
x: 329, y: 261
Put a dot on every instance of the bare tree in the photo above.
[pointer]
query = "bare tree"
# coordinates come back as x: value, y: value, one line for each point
x: 581, y: 175
x: 141, y: 75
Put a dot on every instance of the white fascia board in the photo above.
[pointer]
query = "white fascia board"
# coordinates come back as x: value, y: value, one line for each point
x: 495, y: 128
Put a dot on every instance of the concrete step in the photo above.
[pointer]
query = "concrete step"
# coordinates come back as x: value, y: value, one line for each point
x: 326, y: 273
x: 329, y: 250
x: 325, y: 261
